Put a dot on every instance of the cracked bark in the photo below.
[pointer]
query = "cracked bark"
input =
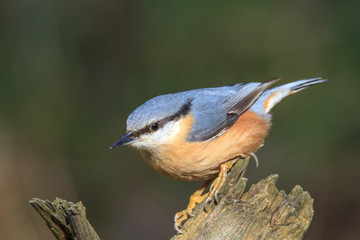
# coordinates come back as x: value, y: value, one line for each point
x: 262, y: 212
x: 66, y: 220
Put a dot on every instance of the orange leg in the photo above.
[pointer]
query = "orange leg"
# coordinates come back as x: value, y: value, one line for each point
x: 195, y: 198
x: 219, y: 181
x: 198, y: 197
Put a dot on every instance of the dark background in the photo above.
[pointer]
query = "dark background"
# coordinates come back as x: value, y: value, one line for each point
x: 72, y: 71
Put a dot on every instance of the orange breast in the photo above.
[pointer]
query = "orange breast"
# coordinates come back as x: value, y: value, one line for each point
x: 192, y: 161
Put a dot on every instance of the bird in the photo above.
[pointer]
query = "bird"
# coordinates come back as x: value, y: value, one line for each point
x: 199, y: 134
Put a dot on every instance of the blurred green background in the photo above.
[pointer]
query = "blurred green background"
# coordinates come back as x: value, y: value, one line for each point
x: 72, y: 71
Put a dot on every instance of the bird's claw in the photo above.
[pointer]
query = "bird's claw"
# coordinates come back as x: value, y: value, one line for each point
x: 216, y: 197
x: 207, y: 201
x: 255, y: 158
x: 212, y: 186
x: 197, y: 197
x: 178, y: 219
x: 206, y: 204
x: 190, y: 213
x: 177, y: 229
x: 218, y: 183
x: 187, y: 213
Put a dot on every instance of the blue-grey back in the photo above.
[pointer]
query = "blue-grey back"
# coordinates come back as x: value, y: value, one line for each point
x: 166, y: 105
x: 213, y: 109
x: 209, y: 106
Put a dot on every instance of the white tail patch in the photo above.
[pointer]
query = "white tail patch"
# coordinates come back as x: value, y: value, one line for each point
x: 274, y: 98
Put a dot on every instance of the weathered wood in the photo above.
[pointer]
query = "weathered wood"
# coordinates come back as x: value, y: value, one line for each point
x: 66, y: 220
x: 263, y: 212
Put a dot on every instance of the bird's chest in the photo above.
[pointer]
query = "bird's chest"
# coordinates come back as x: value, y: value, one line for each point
x: 180, y: 164
x: 193, y: 161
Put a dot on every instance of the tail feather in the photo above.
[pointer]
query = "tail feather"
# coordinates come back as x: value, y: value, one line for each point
x: 273, y: 96
x: 306, y: 83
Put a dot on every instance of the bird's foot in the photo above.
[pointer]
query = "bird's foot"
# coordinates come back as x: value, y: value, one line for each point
x: 195, y: 198
x: 218, y: 183
x: 198, y: 196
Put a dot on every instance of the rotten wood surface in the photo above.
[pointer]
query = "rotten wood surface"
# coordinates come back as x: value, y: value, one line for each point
x: 262, y: 212
x: 66, y: 220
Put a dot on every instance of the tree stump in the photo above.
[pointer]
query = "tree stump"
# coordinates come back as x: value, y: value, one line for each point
x: 263, y: 212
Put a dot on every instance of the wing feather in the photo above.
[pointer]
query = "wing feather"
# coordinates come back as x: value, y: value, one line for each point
x: 214, y: 113
x: 247, y: 99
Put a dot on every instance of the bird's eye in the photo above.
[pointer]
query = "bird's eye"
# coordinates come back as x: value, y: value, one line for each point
x: 155, y: 126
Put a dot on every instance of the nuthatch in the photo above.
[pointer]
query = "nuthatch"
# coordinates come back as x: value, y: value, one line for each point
x: 198, y: 134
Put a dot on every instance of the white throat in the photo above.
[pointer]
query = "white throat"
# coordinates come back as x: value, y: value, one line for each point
x: 153, y: 140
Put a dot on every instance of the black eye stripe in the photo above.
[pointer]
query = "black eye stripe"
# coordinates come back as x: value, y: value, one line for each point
x: 184, y: 110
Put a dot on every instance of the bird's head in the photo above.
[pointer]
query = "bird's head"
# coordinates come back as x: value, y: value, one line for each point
x: 155, y: 122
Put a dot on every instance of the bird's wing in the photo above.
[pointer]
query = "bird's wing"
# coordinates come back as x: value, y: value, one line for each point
x: 217, y: 110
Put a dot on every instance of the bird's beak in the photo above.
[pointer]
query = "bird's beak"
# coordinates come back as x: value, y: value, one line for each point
x: 125, y: 140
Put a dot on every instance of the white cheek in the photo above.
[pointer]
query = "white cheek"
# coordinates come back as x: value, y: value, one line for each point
x: 162, y: 136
